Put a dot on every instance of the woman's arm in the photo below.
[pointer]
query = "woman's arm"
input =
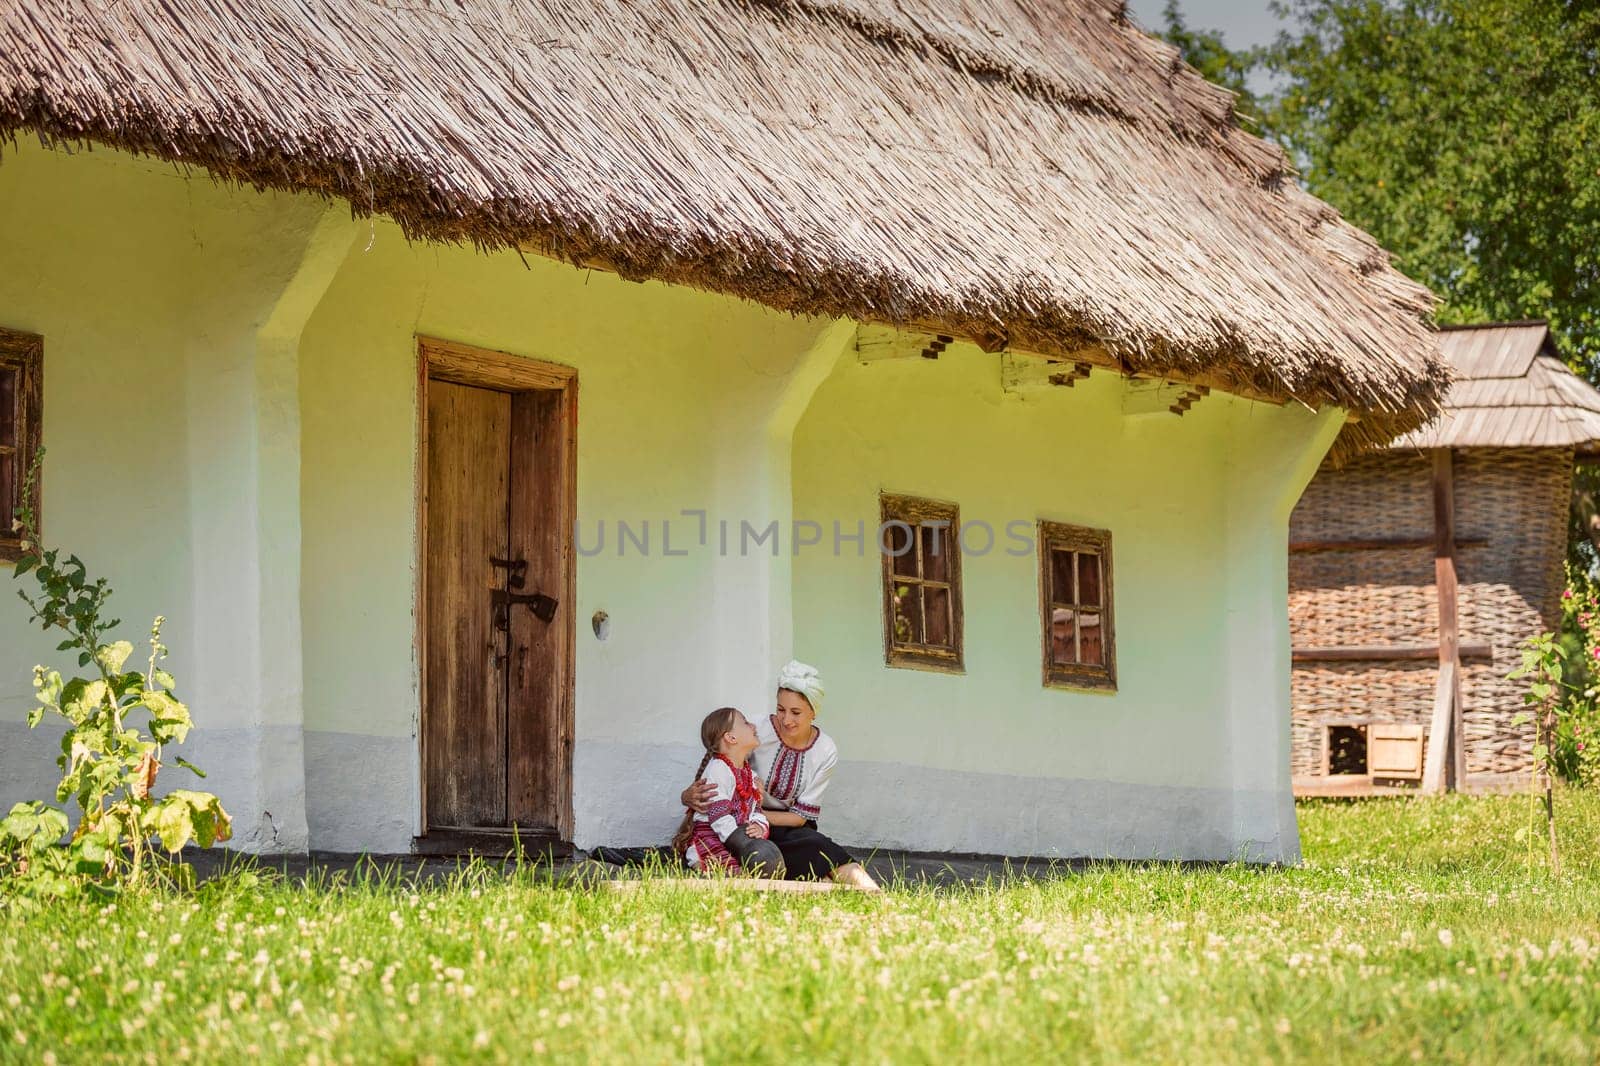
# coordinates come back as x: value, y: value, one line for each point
x: 784, y: 818
x: 697, y: 797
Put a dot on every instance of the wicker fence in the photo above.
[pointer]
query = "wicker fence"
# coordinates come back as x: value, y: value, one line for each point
x: 1511, y: 508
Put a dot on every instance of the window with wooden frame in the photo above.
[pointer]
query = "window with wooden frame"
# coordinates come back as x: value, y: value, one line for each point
x: 1080, y: 648
x: 21, y: 419
x: 921, y: 582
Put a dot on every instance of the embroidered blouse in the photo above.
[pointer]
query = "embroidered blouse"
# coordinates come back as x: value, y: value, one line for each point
x: 734, y: 805
x: 795, y: 777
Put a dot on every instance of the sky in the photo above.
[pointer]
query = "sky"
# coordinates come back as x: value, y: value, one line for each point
x: 1242, y: 23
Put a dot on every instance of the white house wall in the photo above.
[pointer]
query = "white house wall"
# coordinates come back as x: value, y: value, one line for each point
x: 240, y: 370
x: 1179, y: 761
x: 677, y: 394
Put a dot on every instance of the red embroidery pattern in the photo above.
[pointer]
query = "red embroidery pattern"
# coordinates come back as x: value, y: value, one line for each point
x: 708, y: 849
x: 788, y: 773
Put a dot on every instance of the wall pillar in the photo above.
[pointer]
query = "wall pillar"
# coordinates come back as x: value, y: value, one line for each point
x: 1270, y: 463
x: 272, y: 263
x: 754, y: 593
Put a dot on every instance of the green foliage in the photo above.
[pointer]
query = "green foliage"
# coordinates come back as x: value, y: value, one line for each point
x: 108, y: 763
x: 1575, y: 743
x: 1460, y: 133
x: 1548, y: 698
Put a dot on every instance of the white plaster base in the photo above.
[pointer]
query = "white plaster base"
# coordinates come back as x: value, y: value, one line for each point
x: 627, y: 797
x: 230, y: 758
x: 361, y: 792
x: 361, y: 796
x: 28, y: 763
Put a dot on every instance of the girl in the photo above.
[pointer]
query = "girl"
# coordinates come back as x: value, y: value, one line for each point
x: 731, y: 834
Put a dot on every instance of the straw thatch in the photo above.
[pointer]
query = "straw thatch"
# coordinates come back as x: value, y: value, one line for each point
x: 1511, y: 391
x: 1033, y: 173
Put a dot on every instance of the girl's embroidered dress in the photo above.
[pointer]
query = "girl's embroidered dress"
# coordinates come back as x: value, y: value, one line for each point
x: 736, y: 803
x: 796, y: 779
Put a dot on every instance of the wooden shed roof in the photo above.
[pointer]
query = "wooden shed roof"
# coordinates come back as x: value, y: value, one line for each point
x: 1512, y: 390
x: 1031, y: 173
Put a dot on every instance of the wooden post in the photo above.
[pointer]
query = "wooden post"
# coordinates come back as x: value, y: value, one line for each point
x: 1434, y: 767
x: 1444, y: 573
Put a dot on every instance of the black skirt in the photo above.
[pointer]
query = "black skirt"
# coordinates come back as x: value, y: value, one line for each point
x: 808, y: 855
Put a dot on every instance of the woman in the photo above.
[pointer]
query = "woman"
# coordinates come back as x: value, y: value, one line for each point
x: 795, y: 762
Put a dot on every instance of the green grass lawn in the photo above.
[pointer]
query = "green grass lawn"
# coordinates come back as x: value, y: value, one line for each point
x: 1415, y: 931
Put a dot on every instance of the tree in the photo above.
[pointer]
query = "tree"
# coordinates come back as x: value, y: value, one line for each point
x: 1463, y: 134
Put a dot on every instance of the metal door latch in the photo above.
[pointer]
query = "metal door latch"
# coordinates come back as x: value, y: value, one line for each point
x: 542, y: 606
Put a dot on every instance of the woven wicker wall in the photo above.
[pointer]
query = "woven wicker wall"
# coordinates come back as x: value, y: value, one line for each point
x: 1514, y: 499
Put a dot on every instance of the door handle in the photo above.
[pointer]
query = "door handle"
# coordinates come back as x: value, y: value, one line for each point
x: 542, y: 606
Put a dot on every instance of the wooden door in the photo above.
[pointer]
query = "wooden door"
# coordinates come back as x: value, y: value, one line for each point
x: 497, y: 501
x: 538, y: 758
x: 467, y: 526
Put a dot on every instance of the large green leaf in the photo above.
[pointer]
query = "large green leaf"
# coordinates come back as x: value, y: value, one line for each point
x: 113, y: 655
x: 174, y: 822
x: 33, y: 825
x: 169, y: 718
x: 210, y: 822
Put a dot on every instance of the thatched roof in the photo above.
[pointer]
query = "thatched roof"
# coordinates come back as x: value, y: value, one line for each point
x: 1512, y: 390
x: 1033, y: 173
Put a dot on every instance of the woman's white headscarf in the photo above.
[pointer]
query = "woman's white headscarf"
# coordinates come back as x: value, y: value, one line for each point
x: 798, y: 677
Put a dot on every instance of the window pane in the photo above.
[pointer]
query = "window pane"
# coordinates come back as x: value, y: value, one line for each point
x: 936, y: 614
x: 935, y: 556
x: 907, y: 615
x: 1089, y: 579
x: 8, y: 493
x: 1061, y: 576
x: 9, y: 383
x: 1091, y: 639
x: 903, y: 547
x: 1063, y: 639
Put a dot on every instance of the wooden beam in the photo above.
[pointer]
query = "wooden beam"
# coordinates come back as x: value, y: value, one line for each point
x: 1433, y: 770
x: 1444, y: 568
x: 1020, y: 371
x: 1143, y: 396
x: 1385, y: 653
x: 486, y: 369
x: 1379, y: 544
x: 997, y: 341
x: 1068, y: 378
x: 874, y: 343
